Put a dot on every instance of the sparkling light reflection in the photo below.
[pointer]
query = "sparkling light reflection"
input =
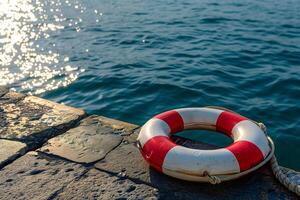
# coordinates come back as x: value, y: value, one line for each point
x: 25, y: 25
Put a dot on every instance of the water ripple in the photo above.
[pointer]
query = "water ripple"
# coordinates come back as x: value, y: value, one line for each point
x: 133, y: 59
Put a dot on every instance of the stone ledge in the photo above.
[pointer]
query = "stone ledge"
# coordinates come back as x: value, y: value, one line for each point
x: 125, y: 128
x: 118, y: 169
x: 33, y: 120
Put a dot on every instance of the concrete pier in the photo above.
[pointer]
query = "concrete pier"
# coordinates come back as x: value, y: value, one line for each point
x: 52, y: 151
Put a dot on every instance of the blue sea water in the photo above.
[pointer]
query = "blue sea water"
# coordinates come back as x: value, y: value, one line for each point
x: 132, y: 59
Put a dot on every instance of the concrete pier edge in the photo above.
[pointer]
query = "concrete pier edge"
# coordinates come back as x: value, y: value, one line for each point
x: 53, y: 151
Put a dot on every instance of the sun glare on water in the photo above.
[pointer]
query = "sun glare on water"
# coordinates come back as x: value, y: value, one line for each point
x: 26, y: 63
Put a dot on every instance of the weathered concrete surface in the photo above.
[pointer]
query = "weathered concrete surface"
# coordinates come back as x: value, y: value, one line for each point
x: 99, y: 185
x: 35, y: 176
x: 127, y: 161
x: 34, y: 120
x: 9, y: 150
x: 87, y: 143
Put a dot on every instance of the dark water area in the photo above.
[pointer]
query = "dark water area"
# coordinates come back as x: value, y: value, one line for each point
x: 132, y: 59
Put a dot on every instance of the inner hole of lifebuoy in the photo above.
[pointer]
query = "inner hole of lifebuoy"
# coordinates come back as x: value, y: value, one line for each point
x: 201, y: 139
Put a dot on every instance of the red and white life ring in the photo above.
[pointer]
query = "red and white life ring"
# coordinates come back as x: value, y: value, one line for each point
x: 250, y: 146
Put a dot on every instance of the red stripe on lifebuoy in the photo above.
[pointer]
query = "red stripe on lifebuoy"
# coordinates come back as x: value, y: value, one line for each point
x: 155, y: 150
x: 227, y: 120
x: 246, y: 153
x: 173, y: 119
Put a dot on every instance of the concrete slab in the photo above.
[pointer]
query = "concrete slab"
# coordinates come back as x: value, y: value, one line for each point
x: 89, y: 142
x: 34, y: 120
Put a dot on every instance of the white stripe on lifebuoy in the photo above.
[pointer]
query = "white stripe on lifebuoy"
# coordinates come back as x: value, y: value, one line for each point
x: 195, y: 161
x: 248, y: 131
x: 199, y: 115
x: 154, y: 127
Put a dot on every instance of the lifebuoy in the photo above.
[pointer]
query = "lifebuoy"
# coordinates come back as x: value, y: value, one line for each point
x: 249, y: 148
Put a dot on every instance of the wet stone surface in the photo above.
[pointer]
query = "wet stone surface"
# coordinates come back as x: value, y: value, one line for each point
x: 34, y: 120
x: 89, y: 142
x: 98, y: 185
x: 35, y: 176
x: 9, y: 150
